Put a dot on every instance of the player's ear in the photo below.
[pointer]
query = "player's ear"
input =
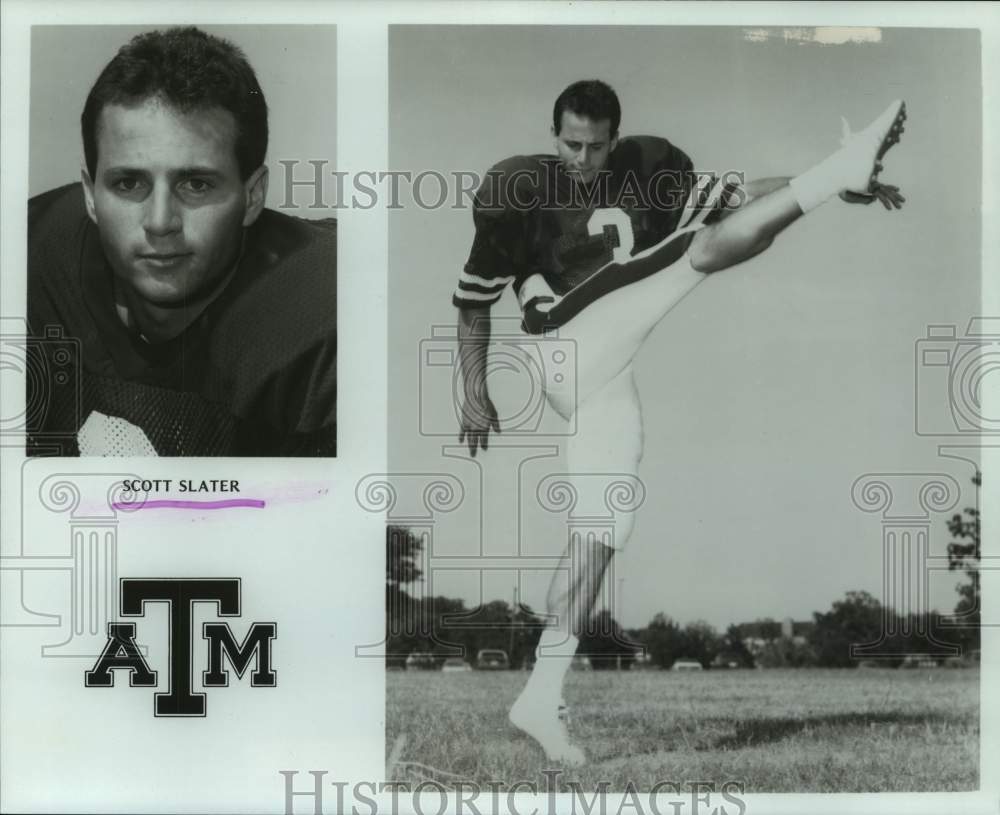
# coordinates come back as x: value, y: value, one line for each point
x: 614, y: 143
x: 88, y: 193
x: 255, y: 189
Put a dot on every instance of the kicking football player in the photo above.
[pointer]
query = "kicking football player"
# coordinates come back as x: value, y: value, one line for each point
x: 191, y: 320
x: 601, y: 241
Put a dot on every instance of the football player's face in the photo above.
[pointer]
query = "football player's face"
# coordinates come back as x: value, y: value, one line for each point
x: 168, y: 200
x: 584, y: 145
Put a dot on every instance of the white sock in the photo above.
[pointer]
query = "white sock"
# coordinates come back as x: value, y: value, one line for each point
x: 851, y: 167
x: 817, y: 184
x: 553, y: 657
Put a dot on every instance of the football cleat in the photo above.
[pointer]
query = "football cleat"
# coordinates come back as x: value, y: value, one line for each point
x: 862, y: 152
x: 544, y: 724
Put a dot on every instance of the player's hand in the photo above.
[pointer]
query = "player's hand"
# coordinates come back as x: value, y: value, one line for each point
x: 478, y: 416
x: 887, y: 194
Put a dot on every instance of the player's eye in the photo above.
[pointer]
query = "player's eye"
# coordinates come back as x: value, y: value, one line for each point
x: 127, y: 185
x: 196, y: 186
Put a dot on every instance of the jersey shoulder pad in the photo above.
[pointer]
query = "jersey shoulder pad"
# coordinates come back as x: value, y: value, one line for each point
x: 59, y: 231
x: 59, y: 204
x: 515, y: 183
x: 647, y: 155
x: 56, y: 219
x: 275, y: 327
x: 285, y: 289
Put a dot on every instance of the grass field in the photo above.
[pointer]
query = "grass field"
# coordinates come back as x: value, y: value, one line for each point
x: 873, y: 730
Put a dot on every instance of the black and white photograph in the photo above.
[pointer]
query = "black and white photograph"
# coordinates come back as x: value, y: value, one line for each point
x: 181, y: 289
x: 685, y: 503
x: 499, y: 407
x: 174, y: 504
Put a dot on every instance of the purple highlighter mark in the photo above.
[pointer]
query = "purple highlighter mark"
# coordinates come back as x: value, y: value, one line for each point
x: 229, y: 503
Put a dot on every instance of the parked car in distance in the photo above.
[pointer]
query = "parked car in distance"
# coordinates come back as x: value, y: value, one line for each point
x: 492, y: 659
x: 421, y: 660
x: 455, y: 665
x: 686, y: 665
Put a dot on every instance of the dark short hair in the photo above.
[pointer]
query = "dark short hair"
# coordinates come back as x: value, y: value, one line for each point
x: 190, y: 71
x: 592, y: 99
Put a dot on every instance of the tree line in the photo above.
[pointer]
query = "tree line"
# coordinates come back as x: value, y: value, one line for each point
x: 445, y: 627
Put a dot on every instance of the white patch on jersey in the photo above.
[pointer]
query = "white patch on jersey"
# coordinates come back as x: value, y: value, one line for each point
x: 614, y: 217
x: 535, y: 286
x: 112, y: 436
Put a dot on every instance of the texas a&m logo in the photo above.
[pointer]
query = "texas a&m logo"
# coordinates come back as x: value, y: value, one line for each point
x: 121, y: 652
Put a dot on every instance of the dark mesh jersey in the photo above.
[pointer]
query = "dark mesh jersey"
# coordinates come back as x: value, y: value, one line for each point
x: 531, y: 218
x: 254, y: 375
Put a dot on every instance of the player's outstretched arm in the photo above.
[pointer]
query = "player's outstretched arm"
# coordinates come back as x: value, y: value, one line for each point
x: 477, y: 413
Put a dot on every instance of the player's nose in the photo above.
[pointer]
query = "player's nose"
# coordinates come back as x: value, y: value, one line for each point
x: 161, y: 215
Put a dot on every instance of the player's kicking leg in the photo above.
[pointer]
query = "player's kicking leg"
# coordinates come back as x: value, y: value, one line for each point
x: 608, y: 333
x: 853, y: 168
x: 612, y: 323
x: 606, y: 447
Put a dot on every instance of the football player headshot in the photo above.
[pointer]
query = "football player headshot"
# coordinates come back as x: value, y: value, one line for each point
x: 196, y: 320
x: 600, y: 241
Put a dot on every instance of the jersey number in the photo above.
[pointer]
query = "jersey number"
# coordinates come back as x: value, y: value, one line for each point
x: 604, y: 220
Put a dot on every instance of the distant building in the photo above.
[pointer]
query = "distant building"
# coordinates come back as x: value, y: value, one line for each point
x: 756, y: 635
